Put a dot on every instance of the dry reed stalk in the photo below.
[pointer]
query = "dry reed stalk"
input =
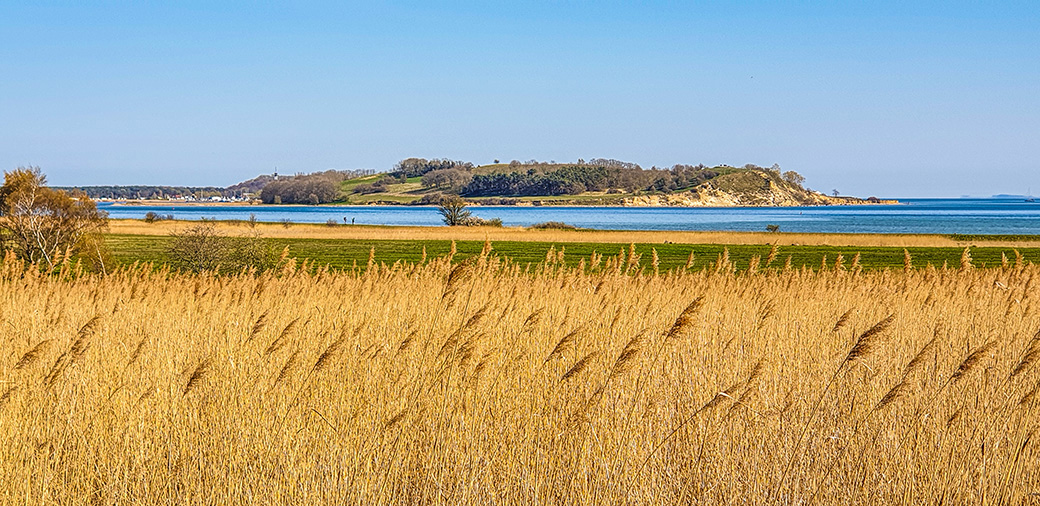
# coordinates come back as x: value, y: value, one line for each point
x: 196, y: 376
x: 899, y: 391
x: 486, y: 250
x: 282, y: 339
x: 533, y: 319
x: 908, y: 263
x: 30, y: 357
x: 459, y: 273
x: 972, y: 361
x: 842, y: 320
x: 749, y: 386
x: 594, y: 260
x: 753, y: 264
x: 626, y: 358
x: 395, y: 420
x: 137, y: 351
x: 325, y: 359
x: 564, y: 344
x: 685, y: 319
x: 719, y: 398
x: 869, y: 340
x: 865, y: 344
x: 689, y: 261
x: 406, y: 343
x: 56, y: 370
x: 1029, y: 396
x: 767, y: 311
x: 82, y: 342
x: 13, y: 389
x: 632, y: 261
x: 966, y: 259
x: 287, y: 369
x: 1030, y: 357
x: 258, y: 327
x: 478, y: 371
x: 474, y: 320
x: 918, y: 361
x: 773, y: 252
x: 714, y: 402
x: 578, y: 366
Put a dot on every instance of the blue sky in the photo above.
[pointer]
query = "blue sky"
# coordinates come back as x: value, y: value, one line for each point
x: 888, y: 99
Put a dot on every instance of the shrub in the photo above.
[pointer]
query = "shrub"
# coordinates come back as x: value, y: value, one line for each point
x: 201, y: 248
x: 197, y: 248
x: 474, y: 221
x: 557, y: 225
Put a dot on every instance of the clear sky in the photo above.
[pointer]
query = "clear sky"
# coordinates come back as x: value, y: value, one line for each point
x: 871, y: 98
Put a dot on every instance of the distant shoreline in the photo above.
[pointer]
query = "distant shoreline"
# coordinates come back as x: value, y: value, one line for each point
x: 167, y: 203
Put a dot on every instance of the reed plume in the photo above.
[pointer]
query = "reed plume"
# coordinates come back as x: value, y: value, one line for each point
x: 196, y: 376
x: 1030, y: 357
x: 842, y: 320
x: 578, y: 366
x: 684, y: 320
x: 626, y: 358
x: 258, y: 327
x: 972, y: 360
x: 869, y: 340
x: 564, y: 344
x: 282, y: 339
x: 30, y: 357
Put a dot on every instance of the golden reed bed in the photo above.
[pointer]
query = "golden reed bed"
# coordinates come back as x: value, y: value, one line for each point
x: 481, y: 384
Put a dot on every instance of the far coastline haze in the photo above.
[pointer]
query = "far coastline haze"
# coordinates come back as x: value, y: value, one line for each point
x: 894, y: 99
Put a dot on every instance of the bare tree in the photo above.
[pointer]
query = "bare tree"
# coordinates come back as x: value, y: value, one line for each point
x: 44, y: 225
x: 794, y: 178
x: 449, y: 180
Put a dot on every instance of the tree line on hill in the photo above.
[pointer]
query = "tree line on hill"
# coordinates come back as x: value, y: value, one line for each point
x: 144, y: 191
x: 533, y: 178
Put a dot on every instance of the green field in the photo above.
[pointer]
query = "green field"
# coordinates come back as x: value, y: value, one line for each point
x: 346, y: 253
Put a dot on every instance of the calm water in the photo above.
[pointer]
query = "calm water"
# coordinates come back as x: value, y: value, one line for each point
x: 917, y: 216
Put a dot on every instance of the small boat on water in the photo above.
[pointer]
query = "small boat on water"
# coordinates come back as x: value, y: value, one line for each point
x: 1030, y: 200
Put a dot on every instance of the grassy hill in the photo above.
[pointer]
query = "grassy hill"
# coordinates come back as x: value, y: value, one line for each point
x: 591, y: 184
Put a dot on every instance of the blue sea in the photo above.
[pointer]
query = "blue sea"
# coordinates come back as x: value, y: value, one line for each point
x: 910, y: 216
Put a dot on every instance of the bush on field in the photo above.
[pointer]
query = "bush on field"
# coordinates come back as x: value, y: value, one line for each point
x: 558, y: 225
x: 201, y: 248
x: 474, y: 221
